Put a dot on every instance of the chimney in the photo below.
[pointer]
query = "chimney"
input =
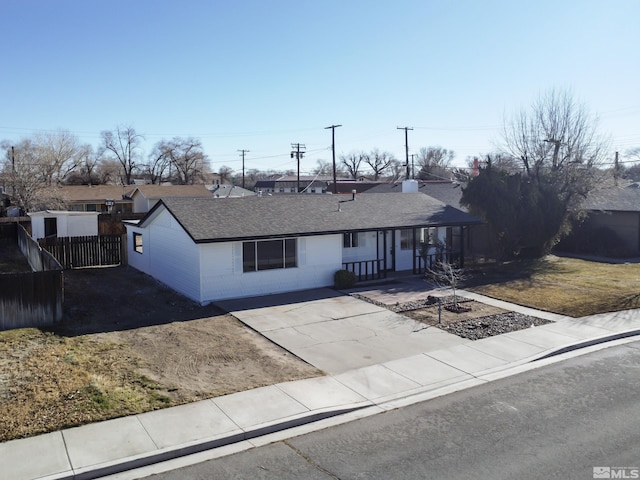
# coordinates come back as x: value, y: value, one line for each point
x: 409, y: 186
x: 476, y: 166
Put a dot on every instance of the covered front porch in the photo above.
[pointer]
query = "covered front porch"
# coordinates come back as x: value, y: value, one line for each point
x: 371, y: 255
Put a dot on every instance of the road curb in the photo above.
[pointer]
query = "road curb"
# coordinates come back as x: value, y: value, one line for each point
x: 588, y: 343
x: 178, y: 451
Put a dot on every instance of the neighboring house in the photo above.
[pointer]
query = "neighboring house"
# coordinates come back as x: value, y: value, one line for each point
x: 348, y: 186
x: 617, y: 207
x: 213, y: 249
x: 289, y: 184
x: 449, y: 192
x: 144, y: 197
x: 93, y: 198
x: 226, y: 191
x: 312, y: 184
x: 56, y: 223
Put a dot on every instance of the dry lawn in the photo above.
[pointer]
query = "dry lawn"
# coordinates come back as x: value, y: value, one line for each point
x: 567, y: 286
x: 128, y: 345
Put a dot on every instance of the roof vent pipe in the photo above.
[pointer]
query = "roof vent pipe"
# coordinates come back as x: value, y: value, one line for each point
x: 353, y: 194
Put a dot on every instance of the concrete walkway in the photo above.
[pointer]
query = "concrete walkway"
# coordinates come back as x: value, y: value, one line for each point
x: 202, y: 430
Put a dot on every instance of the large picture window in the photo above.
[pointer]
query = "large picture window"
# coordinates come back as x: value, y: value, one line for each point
x: 269, y: 254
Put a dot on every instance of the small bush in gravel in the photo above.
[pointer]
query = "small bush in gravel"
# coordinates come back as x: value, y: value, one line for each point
x: 344, y: 279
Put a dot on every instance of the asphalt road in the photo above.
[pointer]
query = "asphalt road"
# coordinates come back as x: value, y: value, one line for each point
x: 558, y: 421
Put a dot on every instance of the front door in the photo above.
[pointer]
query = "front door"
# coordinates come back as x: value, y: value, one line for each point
x: 50, y: 226
x: 386, y: 249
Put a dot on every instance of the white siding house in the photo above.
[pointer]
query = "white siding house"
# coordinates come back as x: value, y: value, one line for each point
x: 52, y: 223
x: 215, y: 249
x: 214, y: 271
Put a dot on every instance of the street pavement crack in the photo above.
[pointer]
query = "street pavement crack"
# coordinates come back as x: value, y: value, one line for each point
x: 307, y: 459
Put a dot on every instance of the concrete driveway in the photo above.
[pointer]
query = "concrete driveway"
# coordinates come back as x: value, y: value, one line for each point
x: 336, y: 332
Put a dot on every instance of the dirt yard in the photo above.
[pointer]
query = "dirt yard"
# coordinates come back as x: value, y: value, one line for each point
x: 127, y: 345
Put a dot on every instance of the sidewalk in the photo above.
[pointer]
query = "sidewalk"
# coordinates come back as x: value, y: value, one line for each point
x: 241, y: 419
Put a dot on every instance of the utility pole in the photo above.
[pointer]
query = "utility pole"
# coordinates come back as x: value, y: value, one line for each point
x: 333, y: 151
x: 406, y: 146
x: 242, y: 152
x: 298, y: 154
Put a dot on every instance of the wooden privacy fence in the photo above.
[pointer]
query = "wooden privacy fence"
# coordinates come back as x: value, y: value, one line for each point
x: 32, y: 299
x: 88, y: 251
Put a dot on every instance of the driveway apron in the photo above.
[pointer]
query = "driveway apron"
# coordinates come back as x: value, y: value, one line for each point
x: 336, y: 332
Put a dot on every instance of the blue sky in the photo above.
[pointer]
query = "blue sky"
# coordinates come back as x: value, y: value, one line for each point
x: 260, y: 75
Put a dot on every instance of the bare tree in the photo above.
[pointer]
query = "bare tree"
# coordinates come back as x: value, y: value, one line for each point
x: 449, y: 275
x: 187, y: 156
x: 124, y: 145
x: 58, y: 155
x: 225, y: 173
x: 323, y: 167
x: 28, y: 182
x: 158, y: 163
x: 87, y: 171
x: 397, y: 169
x: 379, y: 162
x: 633, y: 154
x: 558, y: 138
x: 434, y: 162
x: 352, y: 163
x: 108, y: 172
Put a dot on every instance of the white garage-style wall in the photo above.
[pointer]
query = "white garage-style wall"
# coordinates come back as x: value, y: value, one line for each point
x: 318, y: 258
x: 68, y: 224
x: 166, y: 253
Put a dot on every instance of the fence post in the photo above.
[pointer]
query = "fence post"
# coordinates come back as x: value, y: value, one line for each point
x: 124, y: 250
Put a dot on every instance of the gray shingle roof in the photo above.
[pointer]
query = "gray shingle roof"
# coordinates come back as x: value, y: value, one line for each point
x: 215, y: 220
x: 447, y: 192
x: 615, y: 198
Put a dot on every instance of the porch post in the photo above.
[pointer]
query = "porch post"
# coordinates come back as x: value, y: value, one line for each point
x: 393, y: 250
x: 384, y: 248
x: 414, y: 250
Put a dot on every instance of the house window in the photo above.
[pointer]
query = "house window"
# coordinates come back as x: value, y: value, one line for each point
x: 350, y: 240
x: 91, y: 207
x: 269, y: 254
x: 137, y: 242
x: 406, y: 239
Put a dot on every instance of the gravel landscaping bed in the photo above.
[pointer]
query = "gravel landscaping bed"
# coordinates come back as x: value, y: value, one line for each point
x: 476, y: 322
x: 483, y: 327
